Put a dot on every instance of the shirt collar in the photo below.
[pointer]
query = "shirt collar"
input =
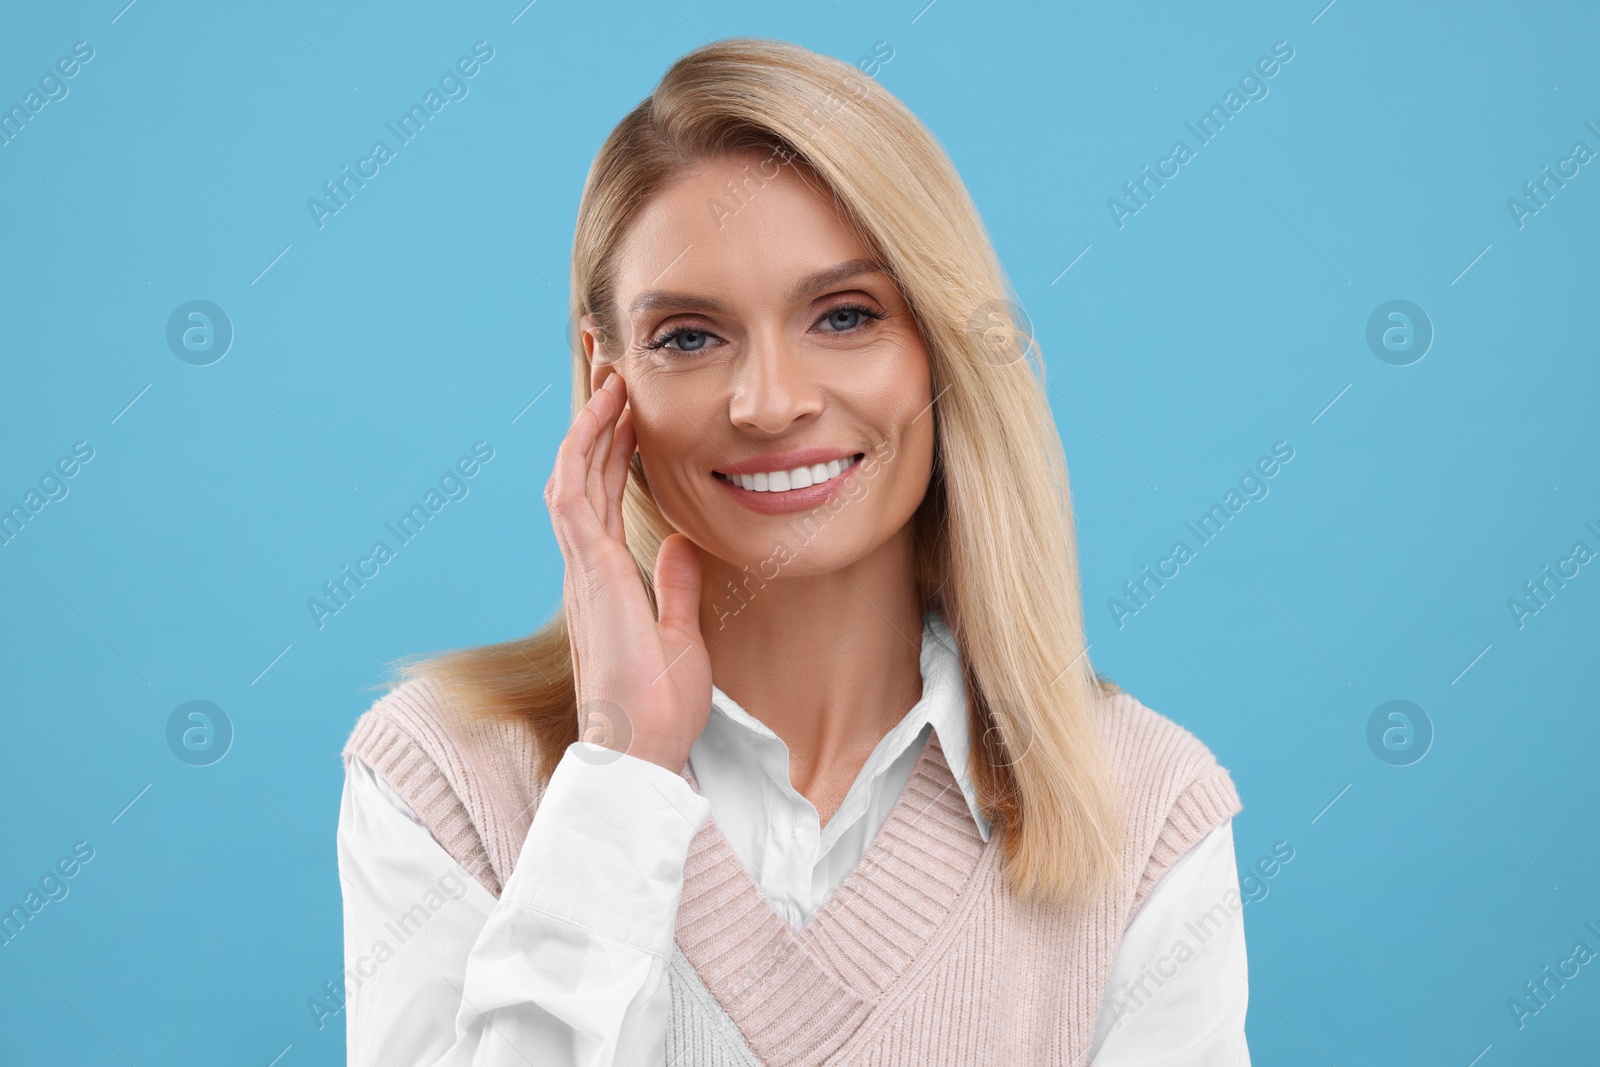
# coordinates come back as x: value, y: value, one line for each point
x: 943, y: 705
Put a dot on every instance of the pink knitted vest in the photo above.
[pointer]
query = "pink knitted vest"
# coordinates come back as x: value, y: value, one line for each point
x: 922, y: 957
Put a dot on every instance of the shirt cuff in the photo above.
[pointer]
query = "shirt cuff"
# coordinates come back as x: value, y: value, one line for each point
x: 607, y: 846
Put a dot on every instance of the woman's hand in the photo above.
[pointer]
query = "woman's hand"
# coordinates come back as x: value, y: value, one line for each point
x: 643, y: 684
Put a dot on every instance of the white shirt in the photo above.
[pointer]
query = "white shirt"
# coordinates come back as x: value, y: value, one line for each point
x: 568, y: 967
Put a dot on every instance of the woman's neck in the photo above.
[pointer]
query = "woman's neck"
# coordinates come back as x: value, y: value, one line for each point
x: 828, y: 662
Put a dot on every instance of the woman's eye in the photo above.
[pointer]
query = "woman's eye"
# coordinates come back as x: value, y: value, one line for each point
x: 690, y: 340
x: 847, y: 317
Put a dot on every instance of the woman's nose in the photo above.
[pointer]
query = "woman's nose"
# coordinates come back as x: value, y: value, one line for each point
x: 774, y: 385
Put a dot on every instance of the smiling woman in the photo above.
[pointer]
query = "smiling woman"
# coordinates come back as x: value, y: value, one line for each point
x: 885, y: 811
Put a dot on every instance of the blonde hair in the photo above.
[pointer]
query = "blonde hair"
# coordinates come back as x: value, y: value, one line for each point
x: 995, y: 547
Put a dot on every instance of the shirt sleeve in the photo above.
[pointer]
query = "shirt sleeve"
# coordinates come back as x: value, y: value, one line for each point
x: 566, y: 968
x: 1179, y: 985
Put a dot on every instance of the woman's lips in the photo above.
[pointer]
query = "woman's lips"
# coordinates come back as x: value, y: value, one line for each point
x: 775, y: 503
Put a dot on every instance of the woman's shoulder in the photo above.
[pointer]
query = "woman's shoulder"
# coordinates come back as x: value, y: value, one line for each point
x: 469, y: 776
x: 411, y: 707
x: 425, y: 713
x: 1174, y: 789
x: 1144, y: 744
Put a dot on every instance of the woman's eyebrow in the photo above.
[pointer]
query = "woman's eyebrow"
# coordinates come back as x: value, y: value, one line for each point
x: 829, y: 277
x: 811, y: 284
x: 657, y: 298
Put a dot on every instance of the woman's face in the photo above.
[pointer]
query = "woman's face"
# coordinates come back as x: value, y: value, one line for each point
x: 756, y: 338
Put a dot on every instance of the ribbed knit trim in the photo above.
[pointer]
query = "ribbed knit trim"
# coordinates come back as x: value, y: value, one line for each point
x: 1174, y: 792
x: 469, y: 778
x: 802, y: 994
x: 383, y: 744
x: 1193, y: 815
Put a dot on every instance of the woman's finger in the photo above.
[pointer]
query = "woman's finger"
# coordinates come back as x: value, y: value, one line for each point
x: 567, y: 491
x: 616, y: 475
x: 677, y: 581
x: 595, y: 473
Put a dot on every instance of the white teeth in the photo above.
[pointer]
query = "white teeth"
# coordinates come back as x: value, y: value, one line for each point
x: 799, y: 478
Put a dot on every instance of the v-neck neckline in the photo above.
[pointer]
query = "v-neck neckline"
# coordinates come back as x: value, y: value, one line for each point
x: 799, y: 993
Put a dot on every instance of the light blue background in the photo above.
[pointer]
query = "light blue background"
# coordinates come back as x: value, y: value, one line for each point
x: 1228, y: 314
